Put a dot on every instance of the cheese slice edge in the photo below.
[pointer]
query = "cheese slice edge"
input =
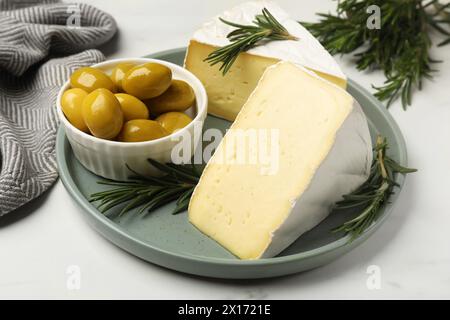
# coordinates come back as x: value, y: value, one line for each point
x: 254, y: 215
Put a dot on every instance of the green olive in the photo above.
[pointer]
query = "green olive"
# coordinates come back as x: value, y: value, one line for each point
x: 102, y: 114
x: 132, y: 107
x: 71, y: 102
x: 173, y: 121
x: 141, y: 130
x: 119, y: 72
x: 90, y: 79
x: 147, y: 80
x: 178, y: 97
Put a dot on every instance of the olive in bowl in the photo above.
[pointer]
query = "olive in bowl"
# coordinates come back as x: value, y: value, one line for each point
x: 147, y: 80
x: 110, y: 157
x: 118, y: 73
x: 102, y: 114
x: 178, y: 97
x: 173, y: 121
x: 90, y: 79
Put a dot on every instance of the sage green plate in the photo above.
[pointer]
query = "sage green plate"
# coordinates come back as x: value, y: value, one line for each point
x: 170, y: 241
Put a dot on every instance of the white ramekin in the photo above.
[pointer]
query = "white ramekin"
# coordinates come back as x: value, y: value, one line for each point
x: 109, y: 159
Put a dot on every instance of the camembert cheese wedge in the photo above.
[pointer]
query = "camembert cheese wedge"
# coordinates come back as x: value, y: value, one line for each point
x: 227, y: 94
x: 324, y: 151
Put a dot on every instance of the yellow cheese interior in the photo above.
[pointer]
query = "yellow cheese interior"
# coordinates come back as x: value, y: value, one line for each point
x: 238, y: 206
x: 227, y: 94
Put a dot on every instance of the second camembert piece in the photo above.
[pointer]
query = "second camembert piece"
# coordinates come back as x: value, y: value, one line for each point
x: 228, y: 93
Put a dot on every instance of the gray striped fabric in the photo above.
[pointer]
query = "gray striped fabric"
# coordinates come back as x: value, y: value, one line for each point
x: 40, y: 45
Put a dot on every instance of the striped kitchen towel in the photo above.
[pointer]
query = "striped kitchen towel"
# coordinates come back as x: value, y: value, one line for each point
x: 41, y: 43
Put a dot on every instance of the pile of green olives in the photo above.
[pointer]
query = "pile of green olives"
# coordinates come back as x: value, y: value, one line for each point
x: 135, y: 103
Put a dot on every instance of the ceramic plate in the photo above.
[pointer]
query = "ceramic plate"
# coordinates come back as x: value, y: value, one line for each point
x: 170, y: 241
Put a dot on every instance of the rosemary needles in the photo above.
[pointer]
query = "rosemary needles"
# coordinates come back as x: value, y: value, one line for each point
x: 373, y: 193
x: 149, y: 193
x: 400, y: 47
x: 244, y: 37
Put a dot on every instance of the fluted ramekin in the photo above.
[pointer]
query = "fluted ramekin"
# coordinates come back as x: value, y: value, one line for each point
x: 109, y: 159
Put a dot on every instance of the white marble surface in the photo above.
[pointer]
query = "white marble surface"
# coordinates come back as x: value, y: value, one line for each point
x: 412, y: 250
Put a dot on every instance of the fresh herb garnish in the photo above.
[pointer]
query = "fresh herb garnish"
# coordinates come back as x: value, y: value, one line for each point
x: 244, y: 37
x: 400, y: 47
x: 373, y: 193
x: 149, y: 193
x: 178, y: 183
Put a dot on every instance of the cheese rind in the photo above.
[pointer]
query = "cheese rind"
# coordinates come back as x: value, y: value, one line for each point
x: 324, y: 152
x: 227, y: 94
x: 346, y: 167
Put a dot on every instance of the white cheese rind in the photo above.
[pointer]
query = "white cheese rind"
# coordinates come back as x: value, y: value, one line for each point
x: 306, y: 51
x: 345, y: 168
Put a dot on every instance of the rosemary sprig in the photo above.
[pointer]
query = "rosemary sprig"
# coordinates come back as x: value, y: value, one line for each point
x: 400, y: 47
x: 150, y: 193
x: 244, y: 37
x: 373, y: 193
